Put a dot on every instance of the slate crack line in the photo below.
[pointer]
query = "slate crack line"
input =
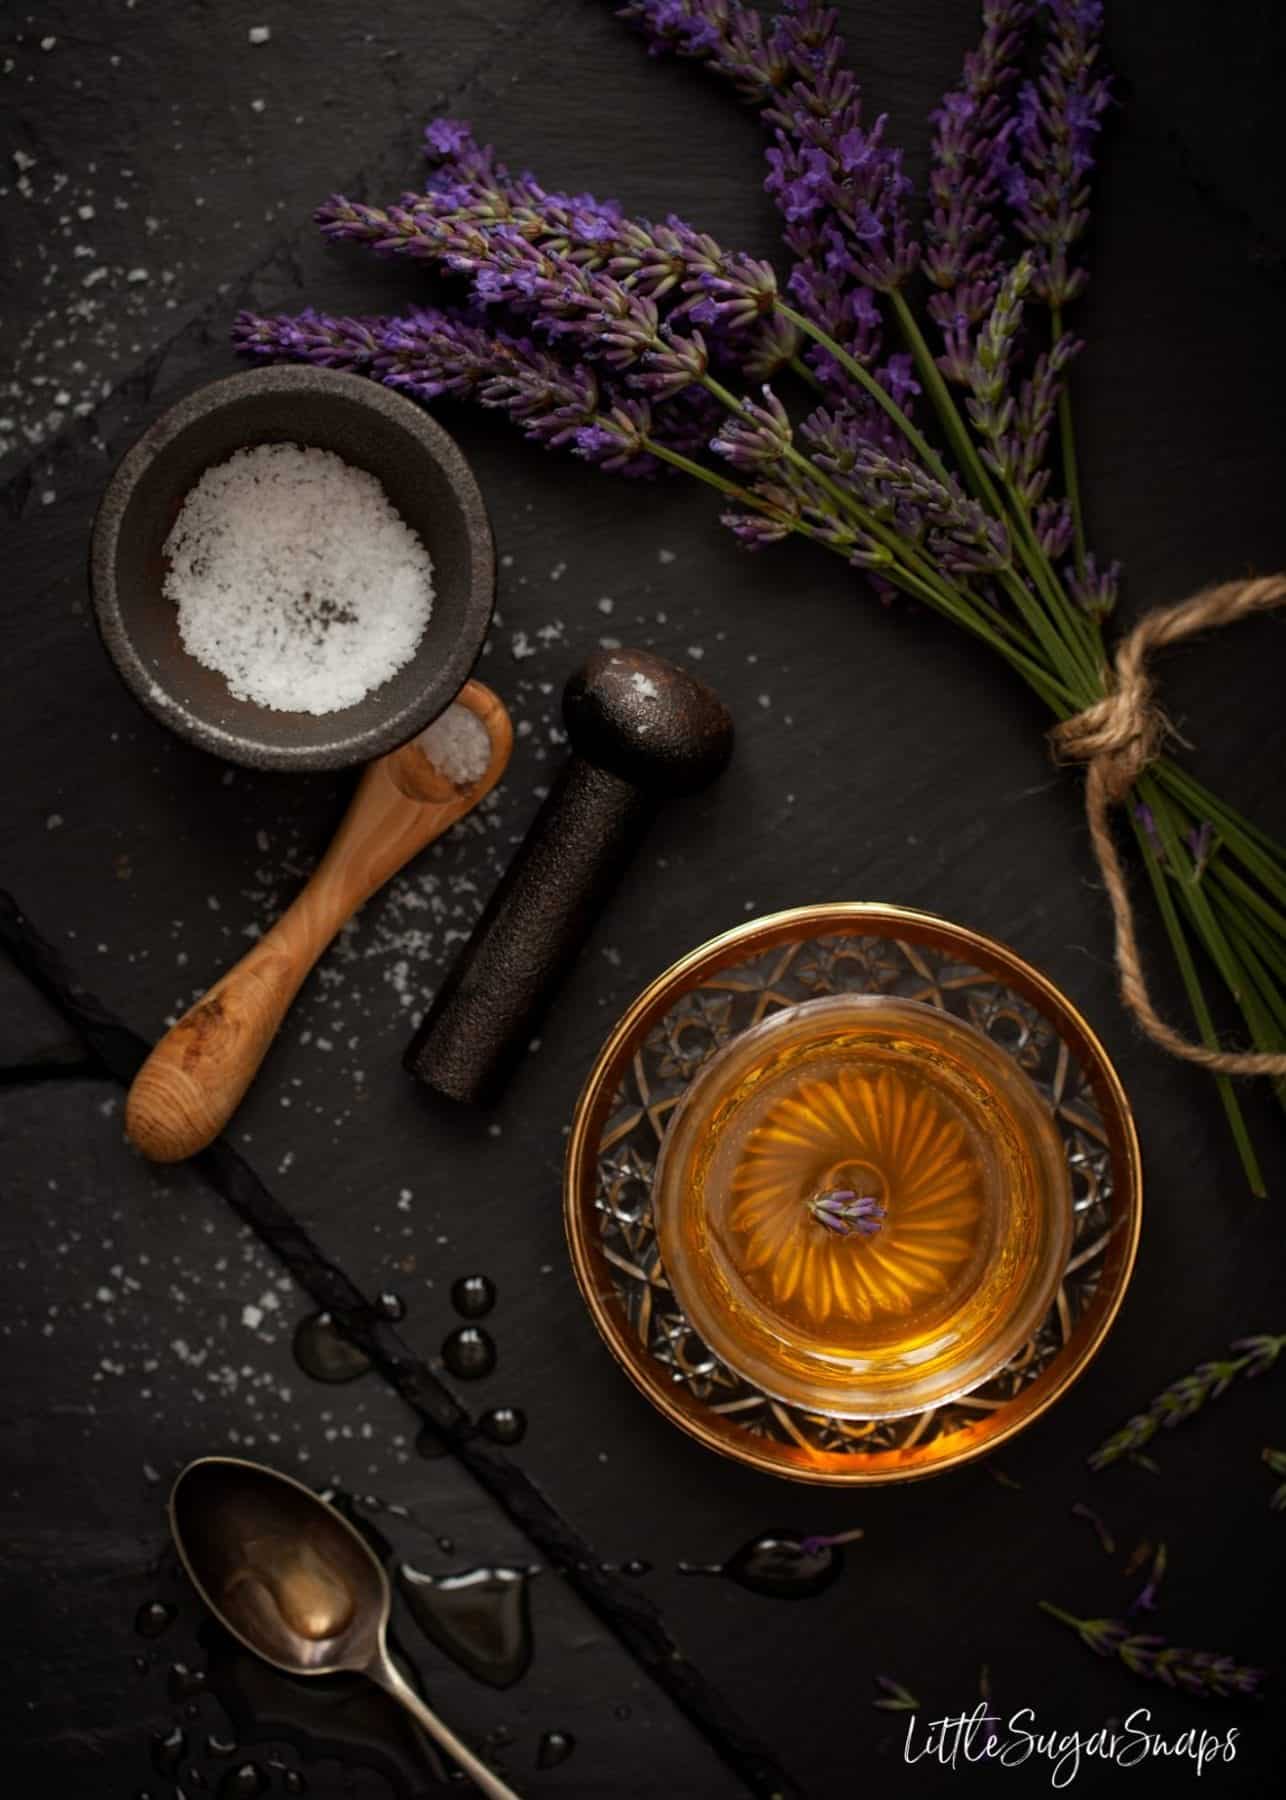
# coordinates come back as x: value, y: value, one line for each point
x: 633, y: 1619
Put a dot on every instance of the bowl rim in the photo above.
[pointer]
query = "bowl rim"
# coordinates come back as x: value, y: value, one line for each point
x: 1040, y: 1295
x: 727, y: 948
x: 345, y: 748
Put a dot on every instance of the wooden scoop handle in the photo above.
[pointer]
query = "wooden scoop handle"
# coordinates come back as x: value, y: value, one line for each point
x: 195, y: 1078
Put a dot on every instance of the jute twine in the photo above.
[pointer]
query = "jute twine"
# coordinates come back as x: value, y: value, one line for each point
x: 1117, y: 738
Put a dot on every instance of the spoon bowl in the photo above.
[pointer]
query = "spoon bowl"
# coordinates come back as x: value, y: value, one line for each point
x: 292, y: 1580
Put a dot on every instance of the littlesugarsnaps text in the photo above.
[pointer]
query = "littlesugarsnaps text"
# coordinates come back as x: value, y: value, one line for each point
x: 1022, y: 1742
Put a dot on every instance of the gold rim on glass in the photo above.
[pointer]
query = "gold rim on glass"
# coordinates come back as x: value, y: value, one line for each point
x: 794, y: 1455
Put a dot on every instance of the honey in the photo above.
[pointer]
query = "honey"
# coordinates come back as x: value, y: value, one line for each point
x: 863, y: 1206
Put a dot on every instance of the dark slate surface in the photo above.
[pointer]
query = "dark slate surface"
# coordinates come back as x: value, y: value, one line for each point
x: 878, y: 757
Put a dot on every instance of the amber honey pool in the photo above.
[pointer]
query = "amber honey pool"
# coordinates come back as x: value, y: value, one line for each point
x: 863, y: 1206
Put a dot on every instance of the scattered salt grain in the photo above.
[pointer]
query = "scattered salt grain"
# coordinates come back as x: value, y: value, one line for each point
x: 458, y: 745
x: 259, y: 34
x: 296, y: 579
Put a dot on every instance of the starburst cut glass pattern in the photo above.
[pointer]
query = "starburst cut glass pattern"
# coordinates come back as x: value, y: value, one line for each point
x: 709, y: 1014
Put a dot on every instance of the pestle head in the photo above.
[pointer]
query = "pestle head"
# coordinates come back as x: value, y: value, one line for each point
x: 647, y: 721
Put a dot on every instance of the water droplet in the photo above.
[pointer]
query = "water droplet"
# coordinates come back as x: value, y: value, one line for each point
x: 154, y: 1617
x: 324, y: 1353
x: 504, y: 1424
x: 636, y: 1566
x: 184, y: 1683
x: 246, y: 1782
x: 220, y: 1746
x: 168, y: 1750
x: 447, y: 1546
x: 481, y: 1618
x: 293, y: 1782
x: 469, y: 1352
x: 779, y: 1564
x: 623, y: 1711
x: 141, y: 1665
x: 473, y: 1296
x: 430, y: 1444
x: 391, y: 1305
x: 554, y: 1748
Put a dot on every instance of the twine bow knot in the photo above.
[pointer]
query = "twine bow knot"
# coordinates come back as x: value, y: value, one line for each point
x: 1117, y: 738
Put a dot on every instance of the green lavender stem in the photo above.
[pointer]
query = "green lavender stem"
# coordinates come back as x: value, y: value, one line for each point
x: 1067, y: 450
x: 1201, y: 1011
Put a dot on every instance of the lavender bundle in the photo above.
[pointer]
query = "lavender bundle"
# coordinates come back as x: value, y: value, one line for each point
x: 937, y: 459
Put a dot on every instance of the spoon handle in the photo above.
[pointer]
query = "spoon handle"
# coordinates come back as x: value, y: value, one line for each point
x: 197, y: 1075
x: 383, y: 1672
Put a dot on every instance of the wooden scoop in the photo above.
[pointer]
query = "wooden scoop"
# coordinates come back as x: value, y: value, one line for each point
x: 195, y: 1078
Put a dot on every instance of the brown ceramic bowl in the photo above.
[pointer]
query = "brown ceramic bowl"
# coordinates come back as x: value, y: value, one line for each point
x: 424, y: 475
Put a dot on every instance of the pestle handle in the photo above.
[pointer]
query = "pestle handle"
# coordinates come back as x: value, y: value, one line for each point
x: 533, y: 926
x: 641, y: 729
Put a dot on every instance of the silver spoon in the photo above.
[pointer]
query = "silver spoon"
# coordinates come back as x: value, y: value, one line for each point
x: 292, y: 1579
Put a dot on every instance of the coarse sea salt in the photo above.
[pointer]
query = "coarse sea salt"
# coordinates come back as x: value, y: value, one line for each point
x: 296, y: 579
x: 458, y: 745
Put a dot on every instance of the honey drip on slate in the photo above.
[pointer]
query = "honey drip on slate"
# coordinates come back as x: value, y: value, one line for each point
x: 168, y: 1750
x: 322, y: 1351
x: 504, y: 1424
x: 481, y: 1618
x: 778, y: 1564
x: 246, y: 1782
x: 554, y: 1748
x: 473, y: 1296
x: 469, y: 1352
x: 154, y: 1617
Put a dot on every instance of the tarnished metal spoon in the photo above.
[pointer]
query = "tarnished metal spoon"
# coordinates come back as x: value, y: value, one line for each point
x: 291, y: 1578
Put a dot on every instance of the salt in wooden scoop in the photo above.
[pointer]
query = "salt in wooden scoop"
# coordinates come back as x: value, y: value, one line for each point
x: 195, y: 1078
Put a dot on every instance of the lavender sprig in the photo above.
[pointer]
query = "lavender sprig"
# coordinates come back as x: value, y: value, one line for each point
x: 1276, y: 1460
x: 1107, y: 1542
x: 1185, y: 1397
x: 1059, y: 117
x: 730, y: 38
x: 1200, y: 1673
x: 893, y: 1696
x: 1146, y: 1599
x: 963, y: 241
x: 845, y: 1213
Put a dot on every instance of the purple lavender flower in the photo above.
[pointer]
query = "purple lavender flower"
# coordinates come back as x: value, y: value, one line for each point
x: 962, y: 254
x: 1197, y: 1672
x: 990, y: 404
x: 959, y: 533
x: 845, y: 1213
x: 730, y: 38
x: 758, y: 436
x: 1190, y: 1393
x: 1146, y: 1600
x: 837, y: 184
x: 1201, y: 841
x: 1095, y: 589
x: 1058, y: 120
